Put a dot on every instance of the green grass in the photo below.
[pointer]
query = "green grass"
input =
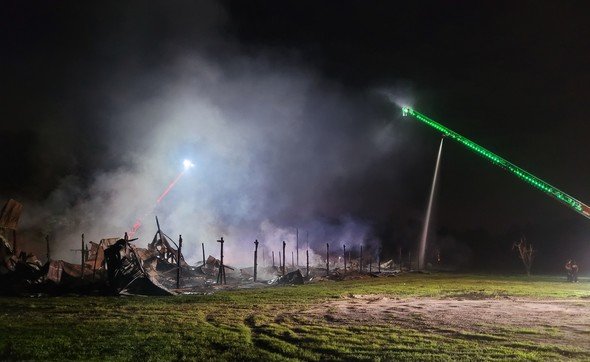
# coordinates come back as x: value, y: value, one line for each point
x: 266, y: 324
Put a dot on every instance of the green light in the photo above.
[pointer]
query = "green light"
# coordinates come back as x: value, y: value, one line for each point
x: 499, y: 161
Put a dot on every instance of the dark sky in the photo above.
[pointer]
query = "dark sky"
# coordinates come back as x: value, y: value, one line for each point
x: 511, y: 75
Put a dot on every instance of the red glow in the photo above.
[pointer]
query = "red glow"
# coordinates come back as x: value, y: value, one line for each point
x: 169, y: 187
x: 137, y: 223
x: 136, y: 226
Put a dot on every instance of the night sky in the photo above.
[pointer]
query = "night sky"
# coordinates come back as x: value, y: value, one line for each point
x: 79, y: 79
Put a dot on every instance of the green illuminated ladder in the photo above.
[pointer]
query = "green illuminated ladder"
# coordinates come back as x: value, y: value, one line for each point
x: 578, y: 206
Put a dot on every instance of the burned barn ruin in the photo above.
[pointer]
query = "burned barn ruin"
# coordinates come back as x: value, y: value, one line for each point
x: 118, y: 266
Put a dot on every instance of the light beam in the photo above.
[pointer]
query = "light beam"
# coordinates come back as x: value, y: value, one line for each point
x: 187, y: 164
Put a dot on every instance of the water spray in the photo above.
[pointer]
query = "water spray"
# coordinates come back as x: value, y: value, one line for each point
x: 527, y: 177
x: 426, y: 225
x: 187, y: 165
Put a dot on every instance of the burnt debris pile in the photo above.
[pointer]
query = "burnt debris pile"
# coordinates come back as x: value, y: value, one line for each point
x: 118, y: 266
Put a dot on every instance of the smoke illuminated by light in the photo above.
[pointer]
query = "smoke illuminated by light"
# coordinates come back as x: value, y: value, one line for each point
x: 239, y: 150
x: 187, y: 164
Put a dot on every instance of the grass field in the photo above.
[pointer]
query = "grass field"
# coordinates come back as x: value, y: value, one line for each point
x: 408, y: 317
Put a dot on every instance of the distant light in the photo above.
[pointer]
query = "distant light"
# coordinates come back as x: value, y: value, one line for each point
x: 188, y: 164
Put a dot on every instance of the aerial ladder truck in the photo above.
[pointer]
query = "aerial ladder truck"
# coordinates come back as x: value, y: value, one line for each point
x: 527, y: 177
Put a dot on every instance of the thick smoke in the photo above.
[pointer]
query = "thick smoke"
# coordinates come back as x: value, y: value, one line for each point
x: 268, y: 145
x: 275, y: 149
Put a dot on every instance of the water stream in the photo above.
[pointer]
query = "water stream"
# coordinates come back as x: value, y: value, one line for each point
x: 424, y: 237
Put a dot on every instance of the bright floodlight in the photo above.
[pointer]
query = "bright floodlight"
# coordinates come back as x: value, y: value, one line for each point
x: 187, y: 164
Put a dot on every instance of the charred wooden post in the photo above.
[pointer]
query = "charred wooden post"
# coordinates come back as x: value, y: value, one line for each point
x: 161, y: 234
x: 280, y: 261
x: 126, y: 237
x: 361, y: 260
x: 203, y: 247
x: 379, y: 261
x: 327, y: 259
x: 344, y: 246
x: 273, y: 259
x: 292, y: 260
x: 221, y: 273
x: 297, y: 246
x: 284, y: 244
x: 178, y: 261
x: 307, y: 268
x: 47, y: 245
x: 82, y: 252
x: 255, y: 259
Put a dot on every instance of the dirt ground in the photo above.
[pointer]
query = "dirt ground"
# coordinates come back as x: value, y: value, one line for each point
x: 557, y: 322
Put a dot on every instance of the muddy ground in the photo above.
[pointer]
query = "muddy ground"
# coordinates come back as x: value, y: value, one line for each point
x: 559, y: 322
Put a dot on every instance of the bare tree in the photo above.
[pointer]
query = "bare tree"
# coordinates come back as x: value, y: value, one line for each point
x: 526, y: 253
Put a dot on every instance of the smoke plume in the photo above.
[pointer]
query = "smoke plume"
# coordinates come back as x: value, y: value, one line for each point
x: 276, y: 147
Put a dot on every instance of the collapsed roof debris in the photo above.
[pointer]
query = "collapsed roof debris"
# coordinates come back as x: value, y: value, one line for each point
x: 9, y: 217
x: 117, y: 266
x: 126, y: 273
x: 294, y: 277
x: 113, y: 266
x: 10, y: 214
x: 18, y: 273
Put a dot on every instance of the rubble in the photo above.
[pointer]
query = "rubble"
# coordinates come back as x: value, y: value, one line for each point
x: 117, y: 266
x: 294, y: 277
x: 113, y: 266
x: 126, y: 273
